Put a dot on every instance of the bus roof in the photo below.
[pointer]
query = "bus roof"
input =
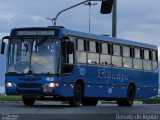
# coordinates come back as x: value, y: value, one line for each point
x: 92, y: 36
x: 108, y: 39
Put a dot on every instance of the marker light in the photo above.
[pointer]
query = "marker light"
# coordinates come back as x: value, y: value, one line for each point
x: 56, y: 84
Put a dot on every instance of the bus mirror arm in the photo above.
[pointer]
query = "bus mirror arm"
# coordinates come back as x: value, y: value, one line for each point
x: 3, y: 44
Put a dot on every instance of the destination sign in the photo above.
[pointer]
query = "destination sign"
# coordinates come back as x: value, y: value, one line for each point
x: 34, y: 33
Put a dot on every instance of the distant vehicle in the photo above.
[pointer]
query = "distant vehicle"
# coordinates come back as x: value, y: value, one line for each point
x: 58, y: 63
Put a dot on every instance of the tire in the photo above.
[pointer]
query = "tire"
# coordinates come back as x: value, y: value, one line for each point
x: 89, y: 102
x: 76, y: 100
x: 28, y: 101
x: 129, y: 100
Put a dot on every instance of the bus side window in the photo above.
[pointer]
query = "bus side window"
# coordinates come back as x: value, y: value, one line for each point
x: 80, y: 45
x: 154, y: 60
x: 147, y: 60
x: 116, y: 50
x: 146, y: 54
x: 127, y: 60
x: 137, y: 53
x: 141, y: 53
x: 81, y: 56
x: 116, y: 57
x: 105, y: 57
x: 68, y: 56
x: 93, y: 54
x: 150, y: 55
x: 70, y: 52
x: 92, y: 46
x: 110, y: 49
x: 131, y: 52
x: 137, y: 60
x: 104, y: 48
x: 98, y: 46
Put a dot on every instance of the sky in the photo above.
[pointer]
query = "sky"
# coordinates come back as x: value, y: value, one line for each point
x: 138, y: 20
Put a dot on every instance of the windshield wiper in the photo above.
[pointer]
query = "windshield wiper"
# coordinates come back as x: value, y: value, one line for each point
x: 12, y: 73
x: 42, y: 41
x: 30, y: 72
x: 25, y: 45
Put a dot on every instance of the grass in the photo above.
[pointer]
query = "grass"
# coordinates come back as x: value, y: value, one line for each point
x: 10, y: 98
x: 153, y: 100
x: 150, y: 100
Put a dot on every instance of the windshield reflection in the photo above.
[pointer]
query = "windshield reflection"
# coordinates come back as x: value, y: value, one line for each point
x: 26, y: 56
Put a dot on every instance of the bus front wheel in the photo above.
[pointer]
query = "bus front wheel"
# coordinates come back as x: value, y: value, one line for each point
x: 75, y: 101
x: 129, y: 100
x: 28, y: 101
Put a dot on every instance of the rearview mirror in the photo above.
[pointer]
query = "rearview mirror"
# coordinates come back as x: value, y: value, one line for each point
x: 3, y: 44
x: 2, y: 47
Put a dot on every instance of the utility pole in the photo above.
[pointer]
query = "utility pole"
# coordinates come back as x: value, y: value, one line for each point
x: 55, y: 19
x: 90, y: 5
x: 114, y: 19
x: 106, y: 8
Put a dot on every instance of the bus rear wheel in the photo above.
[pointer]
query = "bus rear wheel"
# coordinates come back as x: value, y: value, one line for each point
x: 75, y: 101
x: 89, y: 102
x: 28, y: 101
x: 129, y: 100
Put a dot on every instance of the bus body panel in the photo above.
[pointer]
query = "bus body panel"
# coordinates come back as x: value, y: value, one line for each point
x: 109, y: 82
x: 99, y: 81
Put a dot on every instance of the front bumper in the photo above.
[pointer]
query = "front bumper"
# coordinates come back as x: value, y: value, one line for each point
x: 42, y: 91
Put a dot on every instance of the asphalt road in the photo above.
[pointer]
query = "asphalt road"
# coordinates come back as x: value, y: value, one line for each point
x: 55, y: 111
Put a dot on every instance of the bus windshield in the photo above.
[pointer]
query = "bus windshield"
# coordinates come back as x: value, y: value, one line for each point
x: 33, y: 56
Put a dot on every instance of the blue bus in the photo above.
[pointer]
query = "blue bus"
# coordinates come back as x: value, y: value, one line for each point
x: 62, y: 64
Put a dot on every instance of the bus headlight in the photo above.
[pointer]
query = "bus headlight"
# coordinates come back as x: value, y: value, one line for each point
x: 9, y: 84
x: 52, y: 85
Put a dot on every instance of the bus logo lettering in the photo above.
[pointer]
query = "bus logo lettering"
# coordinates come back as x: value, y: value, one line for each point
x: 102, y: 73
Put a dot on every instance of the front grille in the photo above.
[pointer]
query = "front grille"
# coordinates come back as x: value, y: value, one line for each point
x: 29, y: 92
x: 29, y: 79
x: 29, y: 85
